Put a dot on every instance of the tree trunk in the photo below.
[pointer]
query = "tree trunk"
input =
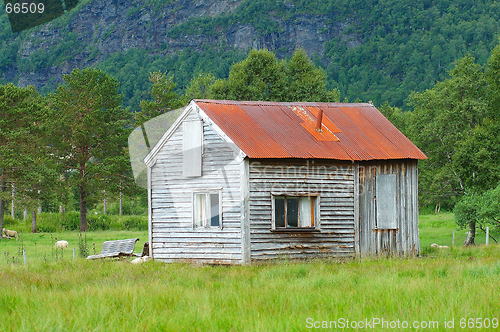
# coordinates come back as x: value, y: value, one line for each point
x: 471, y: 234
x: 437, y: 209
x: 120, y: 212
x: 105, y: 206
x: 83, y: 209
x: 62, y: 209
x: 25, y: 213
x: 39, y: 206
x: 1, y: 214
x: 2, y: 185
x: 13, y: 204
x: 33, y: 221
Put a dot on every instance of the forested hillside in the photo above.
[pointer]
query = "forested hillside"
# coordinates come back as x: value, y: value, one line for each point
x: 371, y: 50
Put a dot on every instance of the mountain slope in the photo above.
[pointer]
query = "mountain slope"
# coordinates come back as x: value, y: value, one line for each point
x: 372, y: 50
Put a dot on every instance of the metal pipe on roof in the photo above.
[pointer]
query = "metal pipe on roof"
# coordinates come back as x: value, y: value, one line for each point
x: 320, y: 120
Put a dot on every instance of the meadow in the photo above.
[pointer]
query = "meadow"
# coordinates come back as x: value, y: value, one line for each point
x: 59, y: 293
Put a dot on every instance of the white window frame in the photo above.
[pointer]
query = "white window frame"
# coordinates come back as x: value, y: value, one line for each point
x: 316, y: 211
x: 207, y: 192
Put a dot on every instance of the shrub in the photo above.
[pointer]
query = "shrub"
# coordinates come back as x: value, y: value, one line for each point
x: 135, y: 223
x: 98, y: 222
x: 47, y: 228
x: 70, y: 221
x: 131, y: 206
x: 48, y: 222
x: 15, y: 224
x: 480, y: 208
x: 8, y: 221
x: 116, y: 223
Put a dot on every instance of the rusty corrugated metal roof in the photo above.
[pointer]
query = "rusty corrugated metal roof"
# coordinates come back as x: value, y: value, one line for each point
x: 350, y: 131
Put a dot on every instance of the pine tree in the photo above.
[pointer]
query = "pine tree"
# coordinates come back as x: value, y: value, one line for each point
x: 89, y: 130
x: 21, y: 161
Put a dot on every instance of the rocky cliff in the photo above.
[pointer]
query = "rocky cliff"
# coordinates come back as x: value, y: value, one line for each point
x: 169, y: 34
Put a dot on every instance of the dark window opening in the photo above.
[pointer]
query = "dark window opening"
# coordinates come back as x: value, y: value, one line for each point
x: 294, y: 212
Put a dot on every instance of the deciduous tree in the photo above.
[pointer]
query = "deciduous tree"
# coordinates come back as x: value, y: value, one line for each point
x: 164, y: 98
x: 305, y: 81
x: 457, y: 123
x: 261, y: 76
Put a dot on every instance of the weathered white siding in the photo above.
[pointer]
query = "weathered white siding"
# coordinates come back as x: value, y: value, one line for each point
x: 173, y: 235
x: 403, y: 240
x: 335, y: 184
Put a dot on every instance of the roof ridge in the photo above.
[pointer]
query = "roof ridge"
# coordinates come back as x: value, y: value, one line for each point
x: 281, y: 103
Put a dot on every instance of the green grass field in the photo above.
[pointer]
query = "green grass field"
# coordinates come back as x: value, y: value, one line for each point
x: 62, y: 294
x: 438, y: 228
x: 39, y: 247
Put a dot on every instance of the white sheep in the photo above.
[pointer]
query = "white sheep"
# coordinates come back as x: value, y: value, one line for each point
x: 8, y: 233
x: 61, y: 244
x: 140, y: 260
x: 435, y: 245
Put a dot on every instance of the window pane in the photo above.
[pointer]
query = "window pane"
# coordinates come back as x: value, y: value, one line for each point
x: 214, y: 209
x: 199, y: 209
x: 292, y: 213
x: 279, y: 212
x: 306, y: 212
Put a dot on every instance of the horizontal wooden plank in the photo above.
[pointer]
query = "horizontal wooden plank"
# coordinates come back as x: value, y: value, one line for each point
x: 181, y: 256
x: 158, y: 250
x: 302, y: 255
x: 300, y: 246
x: 201, y: 261
x: 196, y: 241
x: 348, y: 239
x: 255, y: 232
x: 175, y: 232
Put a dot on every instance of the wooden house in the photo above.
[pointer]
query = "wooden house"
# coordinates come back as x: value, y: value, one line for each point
x: 237, y: 182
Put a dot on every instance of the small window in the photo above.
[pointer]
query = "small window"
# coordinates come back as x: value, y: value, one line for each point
x: 207, y: 209
x: 294, y: 212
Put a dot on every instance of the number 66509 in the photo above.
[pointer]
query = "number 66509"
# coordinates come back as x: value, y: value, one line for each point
x: 24, y: 8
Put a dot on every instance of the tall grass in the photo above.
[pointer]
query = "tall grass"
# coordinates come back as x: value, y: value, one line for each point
x: 55, y: 292
x: 117, y: 296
